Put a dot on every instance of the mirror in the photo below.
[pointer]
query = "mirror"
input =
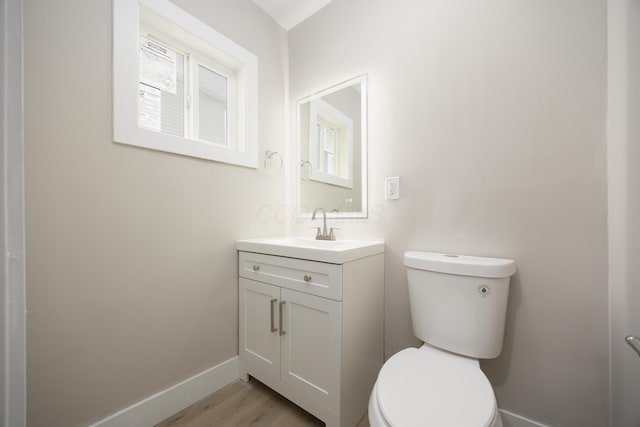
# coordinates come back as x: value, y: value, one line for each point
x: 332, y: 151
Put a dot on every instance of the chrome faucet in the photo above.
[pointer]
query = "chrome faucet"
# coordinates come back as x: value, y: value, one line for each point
x: 323, y: 235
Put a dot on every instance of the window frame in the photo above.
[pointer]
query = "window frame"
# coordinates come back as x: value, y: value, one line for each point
x: 209, y: 48
x: 231, y: 119
x: 326, y: 115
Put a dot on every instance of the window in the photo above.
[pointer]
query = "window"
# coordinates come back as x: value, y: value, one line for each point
x: 183, y: 87
x: 331, y: 144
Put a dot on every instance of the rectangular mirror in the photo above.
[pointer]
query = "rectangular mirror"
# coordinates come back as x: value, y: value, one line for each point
x: 332, y: 151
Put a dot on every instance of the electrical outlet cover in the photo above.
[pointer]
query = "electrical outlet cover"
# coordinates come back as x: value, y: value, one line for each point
x: 392, y: 188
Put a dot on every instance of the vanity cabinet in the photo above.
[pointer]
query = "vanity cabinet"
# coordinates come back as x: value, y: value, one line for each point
x: 313, y: 331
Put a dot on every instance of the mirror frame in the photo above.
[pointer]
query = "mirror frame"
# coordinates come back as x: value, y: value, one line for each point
x: 363, y: 213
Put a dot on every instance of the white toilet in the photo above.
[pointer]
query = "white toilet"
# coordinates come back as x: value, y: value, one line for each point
x: 458, y: 309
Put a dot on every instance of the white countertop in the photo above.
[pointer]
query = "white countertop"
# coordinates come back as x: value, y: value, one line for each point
x: 331, y: 251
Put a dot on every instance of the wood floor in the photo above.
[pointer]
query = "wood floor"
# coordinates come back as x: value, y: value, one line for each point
x: 244, y: 404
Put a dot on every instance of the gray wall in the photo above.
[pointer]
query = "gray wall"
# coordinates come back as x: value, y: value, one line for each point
x: 624, y: 206
x: 131, y: 273
x: 493, y: 115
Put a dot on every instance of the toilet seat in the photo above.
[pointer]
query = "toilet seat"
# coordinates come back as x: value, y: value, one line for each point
x: 432, y: 387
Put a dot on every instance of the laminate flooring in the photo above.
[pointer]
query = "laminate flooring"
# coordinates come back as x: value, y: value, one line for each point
x: 243, y: 404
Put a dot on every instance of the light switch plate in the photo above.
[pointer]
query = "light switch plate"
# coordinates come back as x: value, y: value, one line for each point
x: 392, y: 188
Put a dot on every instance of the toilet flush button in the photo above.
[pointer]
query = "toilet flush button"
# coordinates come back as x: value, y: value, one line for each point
x: 484, y: 290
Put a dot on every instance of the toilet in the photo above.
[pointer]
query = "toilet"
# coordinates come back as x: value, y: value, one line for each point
x: 458, y: 309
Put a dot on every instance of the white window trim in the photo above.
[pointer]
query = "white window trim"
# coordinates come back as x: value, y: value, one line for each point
x: 243, y: 150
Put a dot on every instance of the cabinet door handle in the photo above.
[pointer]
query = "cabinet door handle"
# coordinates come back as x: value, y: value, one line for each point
x: 273, y: 318
x: 307, y: 278
x: 256, y: 267
x: 281, y: 313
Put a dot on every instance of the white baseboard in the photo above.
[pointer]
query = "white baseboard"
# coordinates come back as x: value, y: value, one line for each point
x: 162, y: 405
x: 509, y: 419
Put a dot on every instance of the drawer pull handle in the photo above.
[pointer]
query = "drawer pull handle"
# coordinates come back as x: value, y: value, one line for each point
x: 307, y: 278
x: 282, y: 331
x: 256, y: 267
x: 273, y: 320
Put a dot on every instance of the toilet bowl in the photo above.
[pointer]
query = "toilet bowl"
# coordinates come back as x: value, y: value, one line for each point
x: 458, y: 309
x: 429, y: 387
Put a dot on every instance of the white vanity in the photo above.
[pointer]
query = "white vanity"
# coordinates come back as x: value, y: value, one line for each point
x: 311, y: 322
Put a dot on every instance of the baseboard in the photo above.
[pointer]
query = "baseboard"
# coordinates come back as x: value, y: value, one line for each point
x: 509, y: 419
x: 162, y: 405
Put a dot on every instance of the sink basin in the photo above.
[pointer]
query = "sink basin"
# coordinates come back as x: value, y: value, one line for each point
x: 331, y: 251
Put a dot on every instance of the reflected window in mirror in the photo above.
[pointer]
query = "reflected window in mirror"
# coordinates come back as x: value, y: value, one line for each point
x: 331, y: 144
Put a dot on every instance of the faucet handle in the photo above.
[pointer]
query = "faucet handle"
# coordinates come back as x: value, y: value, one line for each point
x: 318, y: 232
x: 332, y: 235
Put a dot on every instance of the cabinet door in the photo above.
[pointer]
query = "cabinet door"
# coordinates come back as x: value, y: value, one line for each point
x: 259, y: 343
x: 311, y: 346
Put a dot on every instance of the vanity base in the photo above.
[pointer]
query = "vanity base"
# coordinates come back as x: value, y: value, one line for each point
x: 313, y: 331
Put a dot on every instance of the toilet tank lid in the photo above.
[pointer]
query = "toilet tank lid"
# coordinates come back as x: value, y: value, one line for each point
x: 463, y: 265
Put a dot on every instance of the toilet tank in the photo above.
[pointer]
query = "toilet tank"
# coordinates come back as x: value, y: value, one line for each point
x: 459, y: 303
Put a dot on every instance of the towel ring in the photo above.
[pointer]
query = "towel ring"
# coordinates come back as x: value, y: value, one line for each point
x: 268, y: 156
x: 302, y: 163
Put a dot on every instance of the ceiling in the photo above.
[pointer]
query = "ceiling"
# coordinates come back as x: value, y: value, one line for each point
x: 289, y: 13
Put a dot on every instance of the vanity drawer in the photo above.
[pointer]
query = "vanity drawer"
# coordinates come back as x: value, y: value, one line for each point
x: 316, y: 278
